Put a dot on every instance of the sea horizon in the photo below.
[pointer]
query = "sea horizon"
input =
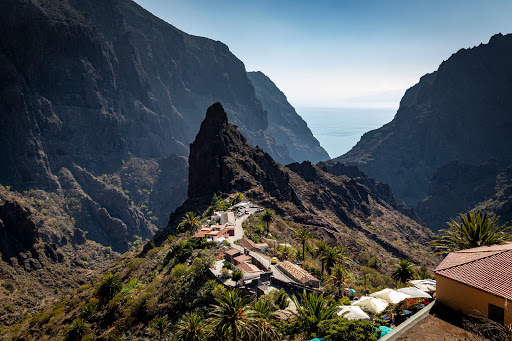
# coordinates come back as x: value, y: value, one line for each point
x: 339, y: 129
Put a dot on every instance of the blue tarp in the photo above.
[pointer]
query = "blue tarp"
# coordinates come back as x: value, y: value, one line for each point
x: 383, y: 330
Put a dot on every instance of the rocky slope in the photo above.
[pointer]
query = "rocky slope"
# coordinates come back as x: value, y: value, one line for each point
x: 356, y: 211
x: 44, y: 253
x: 287, y: 127
x: 457, y: 187
x: 460, y: 112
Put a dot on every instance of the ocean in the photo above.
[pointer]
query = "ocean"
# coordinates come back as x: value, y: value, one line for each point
x: 339, y: 129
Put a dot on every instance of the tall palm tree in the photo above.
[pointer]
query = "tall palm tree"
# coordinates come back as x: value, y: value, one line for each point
x: 233, y: 314
x: 267, y: 217
x: 189, y: 222
x: 339, y: 277
x: 313, y: 309
x: 474, y: 230
x: 320, y: 250
x: 189, y: 328
x: 302, y: 235
x: 335, y: 255
x: 266, y: 326
x: 403, y: 271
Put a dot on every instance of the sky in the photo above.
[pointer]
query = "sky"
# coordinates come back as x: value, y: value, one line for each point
x: 332, y: 54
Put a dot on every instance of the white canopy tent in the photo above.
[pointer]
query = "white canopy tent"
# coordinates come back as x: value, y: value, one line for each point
x: 414, y: 292
x: 371, y: 304
x: 352, y: 312
x: 390, y: 295
x: 427, y: 285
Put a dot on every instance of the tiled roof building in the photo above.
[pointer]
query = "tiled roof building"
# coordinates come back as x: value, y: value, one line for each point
x: 298, y: 274
x: 477, y: 281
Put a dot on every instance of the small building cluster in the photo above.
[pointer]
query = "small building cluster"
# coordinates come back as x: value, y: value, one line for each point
x: 220, y: 227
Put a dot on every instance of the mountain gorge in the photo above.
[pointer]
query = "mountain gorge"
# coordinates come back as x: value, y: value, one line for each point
x: 459, y: 113
x: 99, y: 101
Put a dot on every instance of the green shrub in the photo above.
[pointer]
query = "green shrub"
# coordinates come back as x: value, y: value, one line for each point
x: 237, y: 275
x: 344, y: 301
x: 228, y: 265
x: 340, y: 329
x: 77, y: 329
x: 109, y: 286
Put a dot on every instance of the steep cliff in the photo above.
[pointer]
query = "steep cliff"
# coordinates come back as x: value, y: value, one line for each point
x: 460, y: 112
x: 287, y: 127
x: 108, y: 88
x: 356, y: 212
x: 457, y: 187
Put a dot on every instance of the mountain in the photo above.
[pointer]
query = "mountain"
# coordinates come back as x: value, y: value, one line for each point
x: 459, y: 112
x: 150, y: 288
x: 106, y: 89
x: 287, y: 127
x: 99, y: 101
x: 353, y: 210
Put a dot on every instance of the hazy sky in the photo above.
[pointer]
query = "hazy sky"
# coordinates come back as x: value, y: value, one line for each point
x: 340, y: 53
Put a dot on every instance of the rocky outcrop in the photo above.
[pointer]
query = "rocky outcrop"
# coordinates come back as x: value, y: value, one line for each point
x: 334, y: 205
x: 285, y: 125
x: 460, y: 112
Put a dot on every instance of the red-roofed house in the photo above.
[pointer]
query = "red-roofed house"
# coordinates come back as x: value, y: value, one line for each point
x: 477, y: 281
x: 242, y: 259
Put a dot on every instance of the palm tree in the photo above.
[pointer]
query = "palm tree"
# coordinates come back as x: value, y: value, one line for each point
x: 77, y: 329
x: 320, y: 250
x: 109, y: 287
x: 267, y: 217
x: 266, y: 327
x: 189, y: 328
x: 403, y: 271
x: 188, y: 222
x: 474, y: 230
x: 333, y: 256
x: 313, y: 309
x: 233, y: 315
x: 302, y: 235
x: 160, y: 324
x: 339, y: 277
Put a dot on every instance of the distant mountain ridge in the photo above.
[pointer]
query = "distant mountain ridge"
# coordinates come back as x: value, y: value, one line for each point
x: 460, y: 112
x: 287, y: 127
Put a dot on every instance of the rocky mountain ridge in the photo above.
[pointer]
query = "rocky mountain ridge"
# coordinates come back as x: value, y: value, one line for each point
x: 459, y: 112
x: 287, y: 127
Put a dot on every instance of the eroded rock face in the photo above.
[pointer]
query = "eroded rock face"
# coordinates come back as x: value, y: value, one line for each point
x: 460, y: 112
x: 18, y: 232
x: 458, y: 187
x: 287, y: 127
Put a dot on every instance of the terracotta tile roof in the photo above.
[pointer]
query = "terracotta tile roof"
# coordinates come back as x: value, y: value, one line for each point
x: 232, y: 252
x: 242, y: 258
x: 486, y: 268
x: 247, y: 243
x: 200, y: 234
x: 247, y: 268
x: 298, y: 273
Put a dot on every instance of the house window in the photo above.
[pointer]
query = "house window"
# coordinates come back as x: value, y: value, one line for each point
x: 496, y: 314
